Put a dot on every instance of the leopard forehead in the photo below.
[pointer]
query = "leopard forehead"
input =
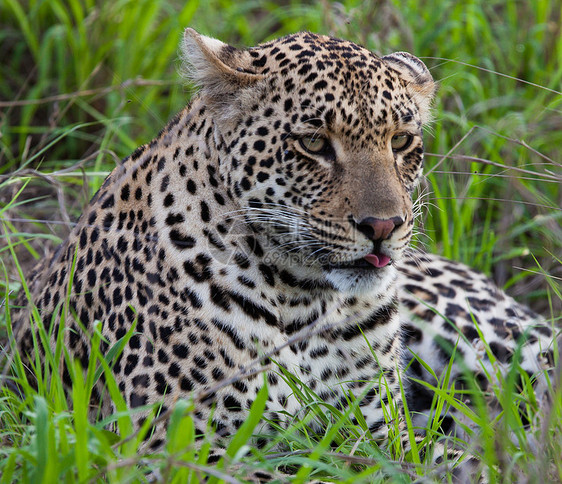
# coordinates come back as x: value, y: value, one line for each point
x: 315, y: 73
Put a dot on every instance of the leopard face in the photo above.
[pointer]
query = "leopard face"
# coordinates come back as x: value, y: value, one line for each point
x: 321, y: 145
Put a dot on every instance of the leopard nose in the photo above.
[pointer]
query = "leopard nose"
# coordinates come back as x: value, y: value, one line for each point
x: 379, y: 229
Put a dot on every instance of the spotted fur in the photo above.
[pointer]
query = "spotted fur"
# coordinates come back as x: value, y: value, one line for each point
x: 272, y: 216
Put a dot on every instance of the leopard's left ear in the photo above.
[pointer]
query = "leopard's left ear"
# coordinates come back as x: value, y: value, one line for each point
x: 218, y: 69
x: 420, y: 83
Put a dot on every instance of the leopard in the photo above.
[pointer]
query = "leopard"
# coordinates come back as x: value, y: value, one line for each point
x: 267, y: 226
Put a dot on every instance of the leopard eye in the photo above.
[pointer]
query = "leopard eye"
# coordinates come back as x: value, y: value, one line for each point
x: 400, y: 142
x: 314, y: 144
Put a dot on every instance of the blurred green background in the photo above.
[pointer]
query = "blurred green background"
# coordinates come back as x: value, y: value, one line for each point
x: 82, y: 83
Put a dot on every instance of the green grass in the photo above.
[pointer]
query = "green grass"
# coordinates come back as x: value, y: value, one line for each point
x: 47, y: 440
x: 84, y: 82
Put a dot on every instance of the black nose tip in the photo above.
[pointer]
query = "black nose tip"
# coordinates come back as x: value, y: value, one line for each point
x: 379, y: 229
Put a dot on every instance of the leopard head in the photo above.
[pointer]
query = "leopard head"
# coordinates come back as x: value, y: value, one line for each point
x: 320, y: 142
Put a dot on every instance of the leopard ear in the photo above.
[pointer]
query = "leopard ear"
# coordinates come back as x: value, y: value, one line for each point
x: 218, y: 69
x: 420, y: 83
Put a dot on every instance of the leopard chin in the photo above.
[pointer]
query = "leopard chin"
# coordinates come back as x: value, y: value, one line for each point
x: 361, y: 277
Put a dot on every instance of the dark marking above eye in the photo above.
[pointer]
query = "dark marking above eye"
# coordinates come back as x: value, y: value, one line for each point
x: 313, y: 120
x: 329, y: 116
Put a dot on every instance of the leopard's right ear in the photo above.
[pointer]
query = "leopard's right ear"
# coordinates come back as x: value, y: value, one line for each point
x: 217, y: 69
x: 421, y: 85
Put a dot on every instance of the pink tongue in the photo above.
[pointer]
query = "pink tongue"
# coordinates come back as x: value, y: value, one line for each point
x: 379, y: 260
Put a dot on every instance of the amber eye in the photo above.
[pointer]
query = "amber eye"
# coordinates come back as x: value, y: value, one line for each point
x: 314, y: 144
x: 400, y: 142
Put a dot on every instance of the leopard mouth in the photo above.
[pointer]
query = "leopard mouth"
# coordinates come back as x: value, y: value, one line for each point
x: 373, y: 261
